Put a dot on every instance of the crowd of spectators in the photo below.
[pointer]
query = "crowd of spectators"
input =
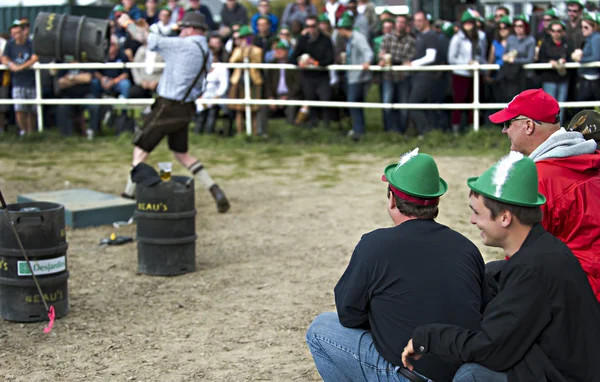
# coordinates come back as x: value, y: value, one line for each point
x: 351, y: 33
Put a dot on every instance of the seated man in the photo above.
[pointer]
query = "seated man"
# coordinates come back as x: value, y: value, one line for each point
x: 112, y: 81
x: 544, y: 323
x: 416, y: 272
x: 76, y: 83
x: 280, y: 84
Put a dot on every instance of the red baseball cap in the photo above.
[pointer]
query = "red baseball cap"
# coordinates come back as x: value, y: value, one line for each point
x: 534, y: 103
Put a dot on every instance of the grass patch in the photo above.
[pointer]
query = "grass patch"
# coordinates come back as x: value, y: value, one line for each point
x: 20, y: 178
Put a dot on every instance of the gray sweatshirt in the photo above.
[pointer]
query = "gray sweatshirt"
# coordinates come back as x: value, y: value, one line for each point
x: 360, y: 52
x: 563, y: 144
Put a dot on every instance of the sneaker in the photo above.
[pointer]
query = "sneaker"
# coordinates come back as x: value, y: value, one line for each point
x: 220, y: 198
x: 301, y: 117
x: 89, y: 134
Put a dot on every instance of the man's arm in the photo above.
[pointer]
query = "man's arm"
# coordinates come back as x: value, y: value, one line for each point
x: 512, y: 323
x: 329, y: 54
x: 352, y: 292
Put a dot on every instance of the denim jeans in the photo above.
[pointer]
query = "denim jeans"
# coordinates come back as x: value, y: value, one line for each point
x: 65, y: 114
x: 121, y: 89
x: 395, y: 92
x: 558, y: 90
x: 472, y: 372
x: 356, y: 92
x: 346, y: 354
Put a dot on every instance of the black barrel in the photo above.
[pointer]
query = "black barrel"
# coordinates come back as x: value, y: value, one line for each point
x: 41, y: 228
x: 166, y: 227
x: 58, y: 35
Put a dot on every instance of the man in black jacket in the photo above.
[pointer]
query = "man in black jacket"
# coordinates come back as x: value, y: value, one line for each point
x: 416, y: 272
x: 314, y: 49
x: 544, y: 323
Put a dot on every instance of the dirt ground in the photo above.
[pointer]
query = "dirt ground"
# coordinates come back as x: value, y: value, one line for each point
x: 264, y: 271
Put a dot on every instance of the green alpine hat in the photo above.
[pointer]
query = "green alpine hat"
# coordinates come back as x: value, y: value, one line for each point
x: 557, y: 22
x: 467, y: 16
x: 506, y: 20
x: 323, y: 18
x: 521, y: 17
x: 388, y: 20
x: 448, y: 29
x: 282, y: 44
x: 513, y: 180
x: 345, y: 23
x: 591, y: 16
x: 118, y: 8
x: 581, y: 3
x: 245, y: 31
x: 388, y: 12
x: 553, y: 12
x: 416, y: 175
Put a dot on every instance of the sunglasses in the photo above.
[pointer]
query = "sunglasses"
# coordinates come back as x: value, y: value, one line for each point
x: 519, y: 25
x: 548, y: 19
x: 506, y: 125
x: 504, y: 28
x: 583, y: 26
x: 556, y: 30
x: 311, y: 25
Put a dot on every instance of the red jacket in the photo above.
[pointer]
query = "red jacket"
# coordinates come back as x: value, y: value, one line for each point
x: 572, y: 211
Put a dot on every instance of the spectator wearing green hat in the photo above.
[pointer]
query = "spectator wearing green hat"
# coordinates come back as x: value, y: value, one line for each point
x: 556, y: 51
x: 358, y: 52
x: 588, y: 78
x: 416, y: 272
x: 128, y: 7
x: 549, y: 15
x: 282, y: 84
x: 520, y: 50
x: 466, y: 47
x: 574, y: 33
x: 544, y: 316
x: 325, y: 25
x: 264, y: 9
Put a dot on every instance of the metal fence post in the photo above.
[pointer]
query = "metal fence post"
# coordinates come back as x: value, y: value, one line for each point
x: 476, y: 97
x: 38, y: 99
x: 247, y: 97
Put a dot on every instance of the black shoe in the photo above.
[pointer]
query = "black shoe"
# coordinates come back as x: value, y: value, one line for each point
x: 126, y: 196
x: 220, y: 198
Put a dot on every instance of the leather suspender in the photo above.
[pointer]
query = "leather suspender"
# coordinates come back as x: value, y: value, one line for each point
x: 202, y: 70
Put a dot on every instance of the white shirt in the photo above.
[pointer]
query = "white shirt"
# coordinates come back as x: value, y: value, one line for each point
x: 217, y: 82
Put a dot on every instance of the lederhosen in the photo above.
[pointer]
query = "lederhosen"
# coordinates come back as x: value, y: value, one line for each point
x: 169, y: 118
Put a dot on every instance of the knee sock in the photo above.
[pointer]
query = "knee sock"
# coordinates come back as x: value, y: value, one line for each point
x: 198, y: 170
x: 130, y: 187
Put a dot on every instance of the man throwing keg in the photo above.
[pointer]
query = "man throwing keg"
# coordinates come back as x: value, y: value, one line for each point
x: 187, y: 60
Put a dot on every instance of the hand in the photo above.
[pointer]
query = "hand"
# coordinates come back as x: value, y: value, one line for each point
x: 509, y: 58
x: 553, y: 63
x: 381, y: 62
x: 123, y: 20
x: 562, y: 61
x: 576, y: 55
x: 13, y: 67
x: 365, y: 66
x: 409, y: 352
x: 407, y: 63
x: 284, y: 97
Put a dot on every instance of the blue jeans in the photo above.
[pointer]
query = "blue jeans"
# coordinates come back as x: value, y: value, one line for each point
x: 472, y: 372
x: 345, y: 354
x: 121, y: 89
x: 558, y: 90
x: 357, y: 93
x: 395, y: 92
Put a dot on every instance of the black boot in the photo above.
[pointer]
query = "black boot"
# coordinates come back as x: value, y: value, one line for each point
x: 220, y: 198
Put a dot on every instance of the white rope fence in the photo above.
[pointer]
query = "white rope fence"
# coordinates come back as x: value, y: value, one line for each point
x: 476, y: 106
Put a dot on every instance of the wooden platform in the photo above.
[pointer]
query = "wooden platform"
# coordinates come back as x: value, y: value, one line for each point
x: 85, y: 208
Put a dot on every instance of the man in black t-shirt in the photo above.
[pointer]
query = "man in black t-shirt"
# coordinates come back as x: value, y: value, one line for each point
x: 423, y: 82
x: 416, y: 272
